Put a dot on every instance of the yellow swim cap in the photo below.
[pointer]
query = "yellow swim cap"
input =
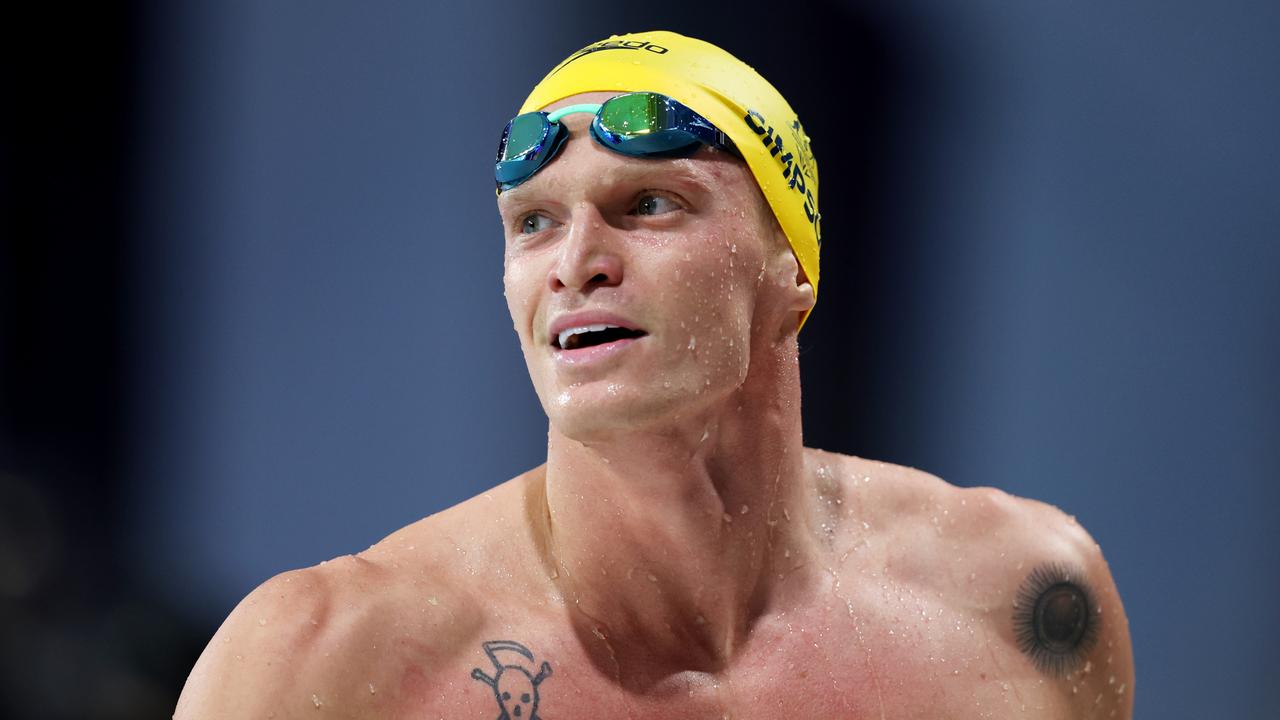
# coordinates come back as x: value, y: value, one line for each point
x: 724, y: 90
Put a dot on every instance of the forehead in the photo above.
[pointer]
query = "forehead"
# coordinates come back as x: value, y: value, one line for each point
x: 582, y: 98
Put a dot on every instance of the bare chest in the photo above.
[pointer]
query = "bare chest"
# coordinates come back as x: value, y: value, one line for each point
x: 850, y: 658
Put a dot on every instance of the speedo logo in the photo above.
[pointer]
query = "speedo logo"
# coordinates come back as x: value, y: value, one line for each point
x: 644, y: 45
x: 795, y: 162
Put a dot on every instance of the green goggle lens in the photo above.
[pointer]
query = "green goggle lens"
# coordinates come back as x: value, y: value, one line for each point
x: 634, y: 114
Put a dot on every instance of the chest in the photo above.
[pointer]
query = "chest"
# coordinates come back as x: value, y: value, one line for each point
x: 852, y: 657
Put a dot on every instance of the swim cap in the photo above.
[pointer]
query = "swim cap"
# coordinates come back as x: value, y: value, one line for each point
x: 724, y: 90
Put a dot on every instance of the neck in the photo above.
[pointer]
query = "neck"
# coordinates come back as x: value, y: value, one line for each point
x: 670, y: 543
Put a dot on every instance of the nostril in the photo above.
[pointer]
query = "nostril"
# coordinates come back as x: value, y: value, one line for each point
x: 600, y: 278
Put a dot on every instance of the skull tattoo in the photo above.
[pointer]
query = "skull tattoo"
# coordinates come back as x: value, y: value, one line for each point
x: 514, y: 686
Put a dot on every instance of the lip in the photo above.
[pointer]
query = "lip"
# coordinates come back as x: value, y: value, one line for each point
x: 594, y: 353
x: 588, y: 317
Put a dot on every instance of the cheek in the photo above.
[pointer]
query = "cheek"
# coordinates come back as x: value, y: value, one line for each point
x: 721, y: 278
x: 519, y: 287
x: 712, y: 291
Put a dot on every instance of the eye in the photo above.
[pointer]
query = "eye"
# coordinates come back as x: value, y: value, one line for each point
x: 654, y: 204
x: 534, y: 222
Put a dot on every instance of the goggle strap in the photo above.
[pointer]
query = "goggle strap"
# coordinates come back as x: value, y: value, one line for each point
x: 592, y: 108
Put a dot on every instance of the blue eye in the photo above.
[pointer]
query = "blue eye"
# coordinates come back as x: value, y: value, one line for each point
x: 656, y: 205
x: 534, y: 222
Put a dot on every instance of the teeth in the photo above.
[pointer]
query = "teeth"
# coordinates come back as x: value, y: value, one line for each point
x: 566, y: 334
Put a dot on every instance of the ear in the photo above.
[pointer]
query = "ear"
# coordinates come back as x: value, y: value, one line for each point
x: 800, y: 295
x: 807, y: 297
x: 797, y: 294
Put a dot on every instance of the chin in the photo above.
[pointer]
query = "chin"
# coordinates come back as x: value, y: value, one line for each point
x: 588, y: 415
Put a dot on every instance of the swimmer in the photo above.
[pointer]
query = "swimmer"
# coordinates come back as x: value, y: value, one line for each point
x: 680, y: 554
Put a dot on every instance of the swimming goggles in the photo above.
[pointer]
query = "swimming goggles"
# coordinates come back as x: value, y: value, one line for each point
x: 639, y: 124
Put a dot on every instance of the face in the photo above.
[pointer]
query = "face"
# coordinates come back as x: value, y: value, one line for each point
x: 639, y: 287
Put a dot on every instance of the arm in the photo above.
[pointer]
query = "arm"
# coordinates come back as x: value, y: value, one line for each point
x: 1068, y: 618
x: 1106, y: 679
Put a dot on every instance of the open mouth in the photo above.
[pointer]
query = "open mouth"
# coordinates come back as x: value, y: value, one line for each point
x: 591, y: 335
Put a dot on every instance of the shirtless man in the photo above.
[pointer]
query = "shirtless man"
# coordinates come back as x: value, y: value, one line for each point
x: 681, y: 554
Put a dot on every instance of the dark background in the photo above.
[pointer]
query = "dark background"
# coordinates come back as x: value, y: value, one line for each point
x: 251, y: 313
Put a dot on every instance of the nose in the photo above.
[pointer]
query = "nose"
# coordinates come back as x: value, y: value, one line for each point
x: 589, y: 254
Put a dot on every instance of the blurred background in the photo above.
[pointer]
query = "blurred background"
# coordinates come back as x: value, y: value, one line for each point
x: 251, y: 313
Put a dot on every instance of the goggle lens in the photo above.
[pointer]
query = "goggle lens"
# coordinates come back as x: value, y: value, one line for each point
x: 523, y: 135
x: 528, y: 141
x: 634, y: 114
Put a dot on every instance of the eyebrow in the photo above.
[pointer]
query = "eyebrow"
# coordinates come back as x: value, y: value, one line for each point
x: 639, y: 172
x: 681, y: 170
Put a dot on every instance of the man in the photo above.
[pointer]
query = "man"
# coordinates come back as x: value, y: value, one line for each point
x: 680, y: 554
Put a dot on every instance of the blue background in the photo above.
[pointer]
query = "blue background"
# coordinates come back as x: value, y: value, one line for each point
x: 253, y: 315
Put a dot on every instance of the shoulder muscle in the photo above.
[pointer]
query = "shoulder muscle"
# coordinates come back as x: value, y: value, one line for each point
x: 1066, y: 616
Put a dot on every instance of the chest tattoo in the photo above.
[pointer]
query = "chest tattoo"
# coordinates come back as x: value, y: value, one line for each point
x: 514, y: 682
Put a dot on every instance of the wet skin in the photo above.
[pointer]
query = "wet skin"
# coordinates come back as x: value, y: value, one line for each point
x: 681, y: 554
x: 909, y: 615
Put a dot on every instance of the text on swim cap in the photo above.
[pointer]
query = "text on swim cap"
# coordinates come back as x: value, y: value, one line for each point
x: 611, y: 45
x: 793, y: 169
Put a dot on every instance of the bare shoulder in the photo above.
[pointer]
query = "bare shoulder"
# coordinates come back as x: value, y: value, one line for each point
x: 322, y: 637
x: 1061, y: 566
x: 339, y: 635
x: 1025, y: 571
